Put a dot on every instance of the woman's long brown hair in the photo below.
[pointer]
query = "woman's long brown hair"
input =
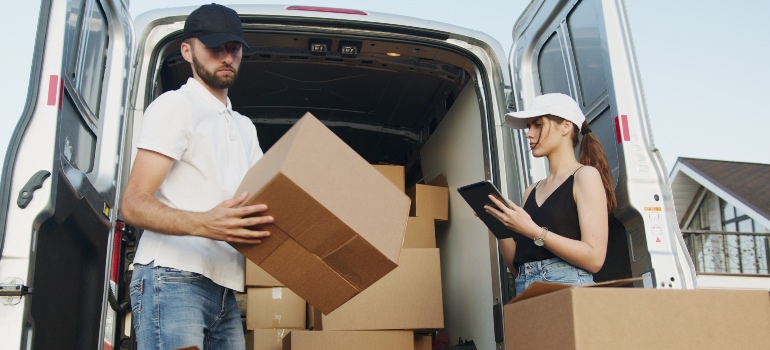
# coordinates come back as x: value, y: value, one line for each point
x: 592, y: 153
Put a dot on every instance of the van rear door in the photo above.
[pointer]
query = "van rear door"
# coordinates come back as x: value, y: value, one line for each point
x: 57, y: 217
x: 583, y: 48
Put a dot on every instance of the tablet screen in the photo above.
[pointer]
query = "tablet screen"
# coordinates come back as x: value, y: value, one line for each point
x: 477, y: 196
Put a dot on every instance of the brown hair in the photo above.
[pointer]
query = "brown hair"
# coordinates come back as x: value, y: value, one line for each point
x: 592, y: 153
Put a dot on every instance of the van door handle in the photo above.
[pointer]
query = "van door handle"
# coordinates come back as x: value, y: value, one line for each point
x: 33, y: 184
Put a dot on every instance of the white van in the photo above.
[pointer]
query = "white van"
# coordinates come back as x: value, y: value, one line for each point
x: 400, y: 90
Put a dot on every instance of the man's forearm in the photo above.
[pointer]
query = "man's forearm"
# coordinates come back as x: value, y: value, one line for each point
x: 147, y: 212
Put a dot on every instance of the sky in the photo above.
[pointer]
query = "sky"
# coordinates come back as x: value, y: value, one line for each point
x: 702, y: 64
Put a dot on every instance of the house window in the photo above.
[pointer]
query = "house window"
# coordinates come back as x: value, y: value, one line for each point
x: 723, y: 239
x: 746, y: 252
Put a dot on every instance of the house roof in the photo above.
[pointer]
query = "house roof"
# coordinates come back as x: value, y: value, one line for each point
x: 748, y: 184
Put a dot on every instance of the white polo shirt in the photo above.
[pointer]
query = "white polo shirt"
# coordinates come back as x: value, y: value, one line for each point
x: 213, y: 147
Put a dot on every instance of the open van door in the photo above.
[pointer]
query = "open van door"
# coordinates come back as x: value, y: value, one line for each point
x: 57, y: 215
x: 583, y: 48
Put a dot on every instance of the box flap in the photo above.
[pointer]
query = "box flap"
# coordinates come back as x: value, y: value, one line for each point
x: 541, y: 288
x: 440, y: 180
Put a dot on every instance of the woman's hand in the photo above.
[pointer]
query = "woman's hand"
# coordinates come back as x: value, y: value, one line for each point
x: 513, y: 217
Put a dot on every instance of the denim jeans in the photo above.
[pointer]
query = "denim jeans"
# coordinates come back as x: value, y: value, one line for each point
x: 173, y: 309
x: 553, y: 270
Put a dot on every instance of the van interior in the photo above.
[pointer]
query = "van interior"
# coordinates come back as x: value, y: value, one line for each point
x: 385, y: 101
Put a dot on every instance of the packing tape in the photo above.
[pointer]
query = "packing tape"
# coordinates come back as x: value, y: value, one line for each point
x: 276, y: 321
x: 277, y: 293
x: 279, y: 339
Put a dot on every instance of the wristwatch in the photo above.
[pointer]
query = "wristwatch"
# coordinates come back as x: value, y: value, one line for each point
x: 540, y: 241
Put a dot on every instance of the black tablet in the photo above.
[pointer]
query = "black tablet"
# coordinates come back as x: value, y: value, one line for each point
x: 477, y: 195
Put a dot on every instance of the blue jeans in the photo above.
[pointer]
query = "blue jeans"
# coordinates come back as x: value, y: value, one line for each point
x: 554, y: 270
x: 173, y: 309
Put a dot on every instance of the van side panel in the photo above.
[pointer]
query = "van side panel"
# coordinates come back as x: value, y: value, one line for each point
x: 60, y: 243
x: 456, y: 149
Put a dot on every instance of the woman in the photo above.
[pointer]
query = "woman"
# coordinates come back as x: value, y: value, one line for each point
x: 561, y: 231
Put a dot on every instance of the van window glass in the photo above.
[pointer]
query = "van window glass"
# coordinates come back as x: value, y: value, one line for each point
x: 603, y: 127
x: 89, y: 71
x: 76, y: 140
x: 552, y: 68
x: 588, y: 51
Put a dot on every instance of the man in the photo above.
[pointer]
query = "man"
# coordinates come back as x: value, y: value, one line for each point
x: 193, y: 152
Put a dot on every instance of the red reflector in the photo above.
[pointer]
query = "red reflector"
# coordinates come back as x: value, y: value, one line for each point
x: 116, y: 245
x: 621, y: 129
x: 53, y: 90
x: 326, y: 9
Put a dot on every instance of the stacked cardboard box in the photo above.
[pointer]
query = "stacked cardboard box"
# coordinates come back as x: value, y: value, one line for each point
x: 554, y: 316
x: 271, y: 313
x: 409, y: 297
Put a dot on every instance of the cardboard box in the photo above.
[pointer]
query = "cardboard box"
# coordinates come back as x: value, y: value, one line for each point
x: 274, y: 307
x: 423, y: 342
x: 408, y: 298
x: 257, y: 277
x: 420, y: 233
x: 598, y: 317
x: 265, y: 339
x: 394, y: 173
x: 431, y: 200
x: 338, y: 224
x: 353, y: 340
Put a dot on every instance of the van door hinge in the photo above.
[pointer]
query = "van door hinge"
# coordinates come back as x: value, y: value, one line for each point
x: 33, y: 184
x: 12, y: 290
x: 128, y: 231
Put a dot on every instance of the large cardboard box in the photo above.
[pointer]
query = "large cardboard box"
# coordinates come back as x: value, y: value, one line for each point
x: 430, y: 200
x: 561, y: 317
x: 352, y: 340
x: 265, y: 339
x: 420, y: 233
x: 408, y: 298
x: 257, y: 277
x: 394, y: 173
x: 274, y: 307
x: 338, y: 224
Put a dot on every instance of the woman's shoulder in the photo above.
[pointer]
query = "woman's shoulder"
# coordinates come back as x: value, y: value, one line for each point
x: 587, y: 175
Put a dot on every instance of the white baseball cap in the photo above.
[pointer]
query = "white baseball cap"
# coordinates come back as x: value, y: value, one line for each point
x: 556, y: 104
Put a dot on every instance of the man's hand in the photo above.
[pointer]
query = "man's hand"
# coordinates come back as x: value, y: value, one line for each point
x: 229, y: 223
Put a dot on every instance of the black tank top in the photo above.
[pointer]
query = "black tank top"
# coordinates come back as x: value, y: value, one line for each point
x: 558, y: 213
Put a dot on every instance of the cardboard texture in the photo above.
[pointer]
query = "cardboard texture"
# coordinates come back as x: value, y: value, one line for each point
x: 409, y: 298
x: 423, y: 342
x: 394, y: 173
x: 257, y: 277
x: 429, y: 201
x: 602, y: 317
x: 353, y: 340
x: 420, y: 233
x: 265, y: 339
x: 274, y: 307
x: 338, y: 224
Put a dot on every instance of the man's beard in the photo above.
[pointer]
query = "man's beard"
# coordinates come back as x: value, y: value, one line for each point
x: 212, y: 79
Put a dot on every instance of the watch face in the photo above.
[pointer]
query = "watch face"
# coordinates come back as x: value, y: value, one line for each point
x: 539, y: 242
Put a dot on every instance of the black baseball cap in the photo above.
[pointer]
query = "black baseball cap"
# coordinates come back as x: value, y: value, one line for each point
x: 214, y: 25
